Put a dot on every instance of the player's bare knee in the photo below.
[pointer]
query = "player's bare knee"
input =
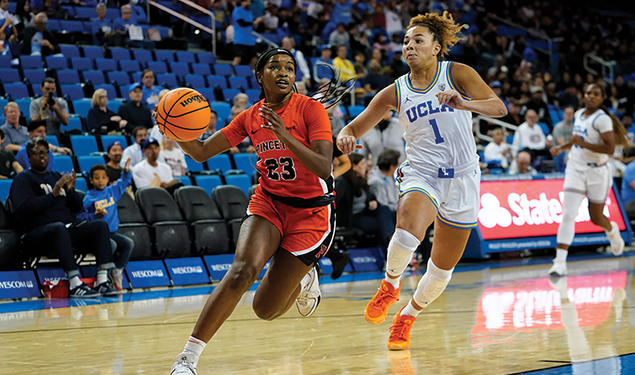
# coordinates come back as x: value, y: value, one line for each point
x: 241, y: 275
x: 265, y: 312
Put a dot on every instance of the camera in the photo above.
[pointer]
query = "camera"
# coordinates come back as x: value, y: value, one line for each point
x: 50, y: 101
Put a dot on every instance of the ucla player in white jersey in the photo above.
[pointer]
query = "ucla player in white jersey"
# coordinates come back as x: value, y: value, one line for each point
x: 439, y: 181
x: 595, y: 133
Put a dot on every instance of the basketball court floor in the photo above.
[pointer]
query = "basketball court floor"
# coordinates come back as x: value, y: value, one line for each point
x: 495, y: 318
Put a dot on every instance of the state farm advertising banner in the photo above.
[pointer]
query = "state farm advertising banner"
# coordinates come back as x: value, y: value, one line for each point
x: 533, y: 208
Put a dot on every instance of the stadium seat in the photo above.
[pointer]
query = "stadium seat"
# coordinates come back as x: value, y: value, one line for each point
x: 107, y: 140
x: 96, y: 77
x: 94, y: 52
x: 52, y: 139
x: 9, y: 240
x: 143, y: 56
x: 120, y: 53
x: 5, y: 188
x: 207, y: 182
x: 201, y: 68
x: 82, y: 106
x: 85, y: 162
x: 85, y: 12
x: 192, y: 165
x: 229, y: 94
x: 105, y: 65
x: 246, y: 162
x: 5, y: 61
x: 9, y: 75
x: 180, y: 69
x: 163, y: 55
x: 81, y: 184
x: 74, y: 91
x: 217, y: 81
x: 68, y: 76
x: 223, y: 70
x: 63, y: 163
x: 222, y: 109
x: 219, y: 162
x: 24, y: 104
x: 71, y: 26
x: 114, y: 105
x: 253, y: 83
x: 74, y: 123
x: 158, y: 67
x: 110, y: 90
x: 238, y: 83
x: 544, y: 127
x: 233, y: 206
x: 205, y: 57
x: 36, y: 89
x: 243, y: 70
x: 185, y: 180
x: 56, y: 62
x: 355, y: 110
x: 185, y: 56
x: 34, y: 75
x: 129, y: 65
x: 84, y: 144
x: 169, y: 231
x: 69, y: 51
x: 195, y: 81
x: 253, y: 95
x: 241, y: 181
x: 31, y: 62
x: 133, y: 225
x: 121, y: 78
x: 207, y: 92
x: 17, y: 91
x: 167, y: 79
x: 82, y: 63
x: 209, y: 230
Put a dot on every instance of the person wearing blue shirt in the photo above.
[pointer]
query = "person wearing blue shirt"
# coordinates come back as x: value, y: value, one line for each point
x: 37, y: 129
x: 101, y: 27
x: 628, y: 189
x: 244, y: 40
x: 101, y: 203
x: 150, y: 91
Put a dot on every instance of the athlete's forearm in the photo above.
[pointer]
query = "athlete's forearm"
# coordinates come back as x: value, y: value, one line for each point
x: 602, y: 148
x: 315, y: 162
x: 492, y: 107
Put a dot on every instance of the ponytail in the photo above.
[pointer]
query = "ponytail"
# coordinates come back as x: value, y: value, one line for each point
x: 331, y: 92
x: 618, y: 128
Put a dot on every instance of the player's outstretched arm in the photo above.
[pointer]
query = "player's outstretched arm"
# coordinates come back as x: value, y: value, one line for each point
x: 383, y: 102
x: 201, y: 151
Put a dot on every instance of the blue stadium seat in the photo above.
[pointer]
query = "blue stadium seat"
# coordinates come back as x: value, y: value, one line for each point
x: 68, y: 76
x: 73, y: 91
x: 9, y: 75
x: 24, y: 104
x: 185, y: 56
x: 129, y: 65
x: 544, y: 127
x: 246, y: 162
x: 220, y: 162
x: 136, y: 77
x: 119, y: 53
x: 125, y: 91
x: 241, y: 181
x: 74, y: 123
x: 253, y: 83
x: 96, y: 77
x: 195, y: 81
x: 3, y: 103
x: 34, y: 75
x: 168, y: 79
x: 52, y: 24
x: 56, y: 62
x: 112, y: 13
x: 201, y: 68
x: 85, y: 12
x: 205, y: 57
x: 87, y: 161
x: 164, y: 55
x: 94, y: 52
x: 82, y: 63
x: 63, y: 163
x: 229, y: 94
x: 185, y: 180
x: 84, y: 144
x: 207, y: 92
x: 143, y: 56
x: 114, y: 105
x: 105, y: 65
x: 239, y: 83
x: 81, y: 184
x: 217, y: 81
x: 222, y: 109
x: 71, y: 26
x: 180, y: 69
x: 223, y: 70
x: 106, y: 140
x: 31, y: 62
x: 243, y: 70
x: 253, y: 95
x: 355, y: 110
x: 36, y: 89
x: 209, y: 183
x: 192, y: 165
x: 5, y: 188
x: 5, y: 61
x: 110, y: 89
x: 68, y: 50
x: 122, y: 78
x: 82, y: 107
x: 15, y: 91
x: 52, y: 139
x: 158, y: 67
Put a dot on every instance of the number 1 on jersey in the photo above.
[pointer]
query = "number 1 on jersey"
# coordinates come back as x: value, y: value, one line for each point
x: 437, y: 136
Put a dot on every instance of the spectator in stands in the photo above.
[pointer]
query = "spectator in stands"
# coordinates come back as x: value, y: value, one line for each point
x: 101, y: 119
x: 114, y: 152
x: 375, y: 80
x: 101, y: 27
x: 569, y: 97
x: 270, y: 20
x: 155, y: 132
x: 211, y: 127
x: 513, y: 114
x: 150, y: 90
x: 339, y: 36
x: 539, y: 106
x: 152, y: 171
x: 563, y: 130
x: 44, y: 205
x: 24, y: 17
x: 37, y: 129
x: 100, y: 203
x: 174, y: 157
x: 397, y: 66
x: 382, y: 182
x: 16, y: 135
x: 7, y: 22
x: 628, y: 190
x: 37, y: 40
x: 303, y: 74
x: 9, y: 167
x: 322, y: 74
x: 244, y: 41
x: 343, y: 64
x: 522, y: 164
x: 135, y: 150
x: 498, y: 149
x: 241, y: 102
x: 53, y: 110
x: 385, y: 135
x: 529, y: 135
x: 122, y: 25
x: 134, y: 111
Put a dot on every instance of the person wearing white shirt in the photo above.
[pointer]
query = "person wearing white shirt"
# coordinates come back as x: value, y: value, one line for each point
x: 134, y: 151
x: 497, y: 149
x: 153, y: 172
x: 388, y: 134
x: 173, y: 156
x: 529, y: 134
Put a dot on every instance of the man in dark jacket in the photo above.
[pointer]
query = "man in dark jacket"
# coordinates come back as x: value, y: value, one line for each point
x: 134, y: 111
x: 45, y: 204
x: 37, y: 39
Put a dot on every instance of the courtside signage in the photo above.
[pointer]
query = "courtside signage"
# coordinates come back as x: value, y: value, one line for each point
x: 364, y: 260
x: 187, y: 271
x: 218, y: 265
x: 50, y: 274
x: 18, y: 284
x: 147, y: 274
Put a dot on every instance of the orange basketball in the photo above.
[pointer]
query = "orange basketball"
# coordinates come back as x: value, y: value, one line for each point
x: 183, y: 114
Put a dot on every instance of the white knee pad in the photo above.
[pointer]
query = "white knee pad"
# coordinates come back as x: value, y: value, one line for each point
x: 400, y: 249
x: 432, y: 284
x: 570, y: 207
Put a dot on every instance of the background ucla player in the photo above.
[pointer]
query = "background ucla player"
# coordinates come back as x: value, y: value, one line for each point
x: 439, y: 181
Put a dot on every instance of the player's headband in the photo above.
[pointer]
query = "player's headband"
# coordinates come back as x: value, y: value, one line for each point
x: 262, y: 60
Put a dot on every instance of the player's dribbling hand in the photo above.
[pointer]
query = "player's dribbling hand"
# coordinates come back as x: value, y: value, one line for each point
x: 347, y: 144
x: 576, y: 140
x: 451, y: 98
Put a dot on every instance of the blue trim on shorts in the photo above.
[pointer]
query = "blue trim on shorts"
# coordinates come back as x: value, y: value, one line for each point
x: 423, y: 191
x: 456, y: 224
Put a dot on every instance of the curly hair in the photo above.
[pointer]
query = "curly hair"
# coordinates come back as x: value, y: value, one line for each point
x: 442, y: 27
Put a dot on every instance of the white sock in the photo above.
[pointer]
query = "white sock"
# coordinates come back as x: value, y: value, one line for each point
x: 75, y: 282
x: 613, y: 231
x: 561, y: 255
x: 394, y: 282
x: 410, y: 310
x: 193, y: 349
x: 102, y: 277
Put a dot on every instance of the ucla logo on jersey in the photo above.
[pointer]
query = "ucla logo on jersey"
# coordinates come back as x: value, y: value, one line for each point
x: 424, y: 109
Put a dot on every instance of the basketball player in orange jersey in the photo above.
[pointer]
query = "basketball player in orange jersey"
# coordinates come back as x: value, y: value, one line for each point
x: 440, y: 179
x: 291, y: 216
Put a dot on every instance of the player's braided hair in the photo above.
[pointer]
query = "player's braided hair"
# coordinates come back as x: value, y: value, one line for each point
x: 618, y: 128
x: 331, y: 92
x: 442, y: 27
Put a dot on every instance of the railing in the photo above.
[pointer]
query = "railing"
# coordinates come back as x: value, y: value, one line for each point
x: 477, y: 123
x: 608, y: 67
x: 211, y: 31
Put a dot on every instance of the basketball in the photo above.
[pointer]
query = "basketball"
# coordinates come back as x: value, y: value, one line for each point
x: 183, y: 114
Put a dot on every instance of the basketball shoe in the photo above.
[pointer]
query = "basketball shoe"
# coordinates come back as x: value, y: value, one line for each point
x: 310, y: 294
x: 107, y: 289
x: 399, y: 338
x: 617, y: 243
x: 83, y: 291
x: 558, y: 269
x: 377, y: 309
x: 183, y: 366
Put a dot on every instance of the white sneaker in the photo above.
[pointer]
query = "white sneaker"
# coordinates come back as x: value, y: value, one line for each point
x: 558, y: 269
x: 310, y: 294
x: 617, y: 242
x: 183, y: 366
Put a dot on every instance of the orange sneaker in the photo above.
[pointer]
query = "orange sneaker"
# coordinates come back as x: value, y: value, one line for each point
x: 377, y: 309
x: 399, y: 338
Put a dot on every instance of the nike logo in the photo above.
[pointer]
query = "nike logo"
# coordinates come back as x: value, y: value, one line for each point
x: 316, y: 211
x: 254, y: 131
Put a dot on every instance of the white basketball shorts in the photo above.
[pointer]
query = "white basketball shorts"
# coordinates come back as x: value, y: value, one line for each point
x: 593, y: 181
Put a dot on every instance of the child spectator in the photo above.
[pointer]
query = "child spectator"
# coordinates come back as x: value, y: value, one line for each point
x: 174, y: 157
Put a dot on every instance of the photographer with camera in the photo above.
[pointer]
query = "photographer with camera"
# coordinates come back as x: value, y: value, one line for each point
x: 54, y: 111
